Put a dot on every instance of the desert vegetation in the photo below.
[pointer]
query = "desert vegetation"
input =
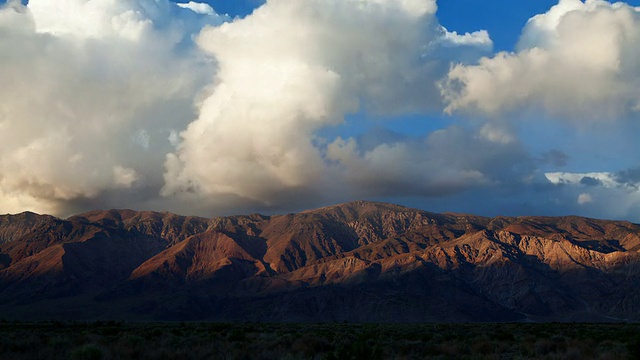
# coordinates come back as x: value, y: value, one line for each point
x: 119, y: 340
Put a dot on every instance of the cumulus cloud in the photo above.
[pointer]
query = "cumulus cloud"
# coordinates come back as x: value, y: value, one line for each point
x: 605, y: 179
x: 445, y: 162
x: 152, y: 104
x: 96, y: 93
x: 574, y: 67
x: 256, y: 134
x: 480, y: 38
x: 584, y: 198
x: 617, y: 194
x: 90, y: 91
x: 626, y: 179
x: 579, y: 60
x: 199, y: 8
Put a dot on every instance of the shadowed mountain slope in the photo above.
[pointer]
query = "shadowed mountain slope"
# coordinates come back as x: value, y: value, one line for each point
x: 359, y: 261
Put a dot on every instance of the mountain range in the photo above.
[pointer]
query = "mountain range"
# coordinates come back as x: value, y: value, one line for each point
x: 357, y: 262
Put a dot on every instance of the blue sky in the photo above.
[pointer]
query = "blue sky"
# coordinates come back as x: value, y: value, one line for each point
x: 503, y: 19
x: 492, y: 107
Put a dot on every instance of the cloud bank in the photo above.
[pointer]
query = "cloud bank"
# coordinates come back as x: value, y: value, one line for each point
x: 149, y: 104
x: 91, y: 91
x: 575, y: 64
x: 579, y: 60
x: 256, y: 135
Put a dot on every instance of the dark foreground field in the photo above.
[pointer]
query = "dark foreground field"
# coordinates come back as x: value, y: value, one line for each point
x: 113, y: 340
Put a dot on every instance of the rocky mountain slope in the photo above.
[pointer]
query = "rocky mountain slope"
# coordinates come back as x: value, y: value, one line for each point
x: 359, y: 261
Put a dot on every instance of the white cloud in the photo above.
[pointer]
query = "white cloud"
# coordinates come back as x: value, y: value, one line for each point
x: 438, y: 165
x: 617, y: 194
x: 96, y: 107
x: 88, y: 86
x: 94, y: 18
x: 13, y: 203
x: 605, y: 179
x: 477, y: 38
x: 578, y: 60
x: 584, y: 198
x: 198, y: 8
x: 293, y: 68
x: 497, y: 134
x: 124, y: 177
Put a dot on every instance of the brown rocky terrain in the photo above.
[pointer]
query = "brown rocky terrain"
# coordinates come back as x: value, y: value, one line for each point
x: 359, y: 261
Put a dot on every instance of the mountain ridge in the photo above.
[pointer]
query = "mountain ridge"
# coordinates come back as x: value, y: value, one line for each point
x: 356, y: 261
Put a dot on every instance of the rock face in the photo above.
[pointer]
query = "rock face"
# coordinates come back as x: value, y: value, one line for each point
x: 359, y: 261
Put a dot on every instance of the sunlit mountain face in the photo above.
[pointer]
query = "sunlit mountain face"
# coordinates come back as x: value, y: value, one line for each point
x: 359, y: 262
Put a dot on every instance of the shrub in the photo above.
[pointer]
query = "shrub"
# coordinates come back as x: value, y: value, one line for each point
x: 87, y: 352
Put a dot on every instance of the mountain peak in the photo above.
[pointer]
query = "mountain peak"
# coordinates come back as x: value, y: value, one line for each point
x: 354, y: 261
x: 360, y: 208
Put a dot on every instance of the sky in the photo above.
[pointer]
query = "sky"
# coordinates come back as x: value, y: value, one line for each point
x: 232, y: 107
